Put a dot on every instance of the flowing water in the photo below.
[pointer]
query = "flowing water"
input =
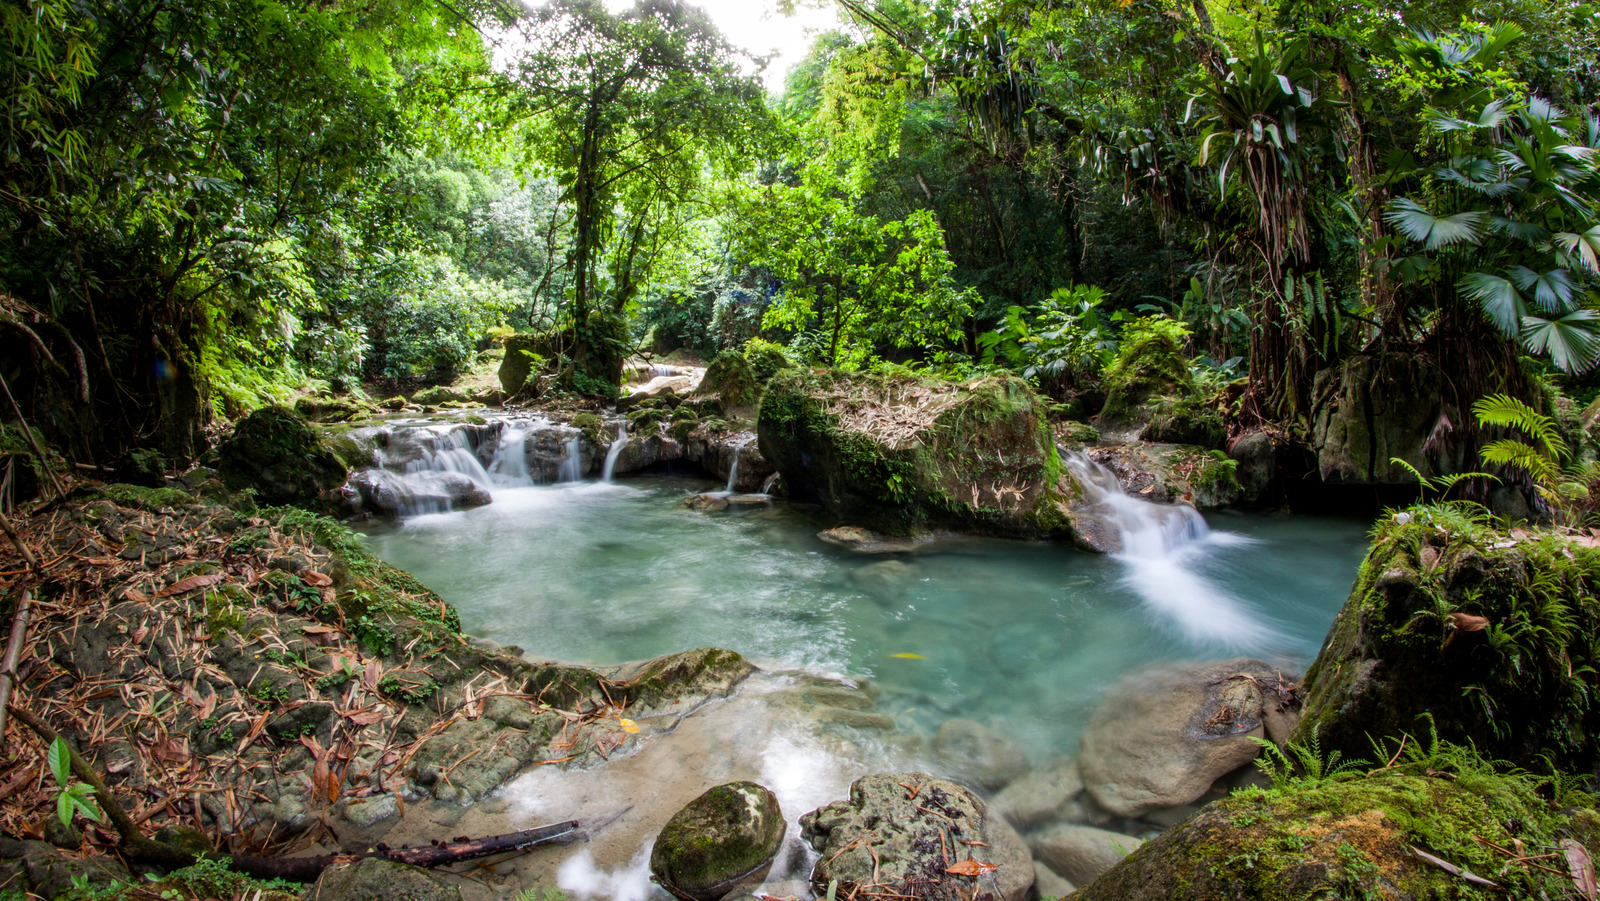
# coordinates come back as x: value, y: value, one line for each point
x: 1027, y: 635
x: 1024, y: 637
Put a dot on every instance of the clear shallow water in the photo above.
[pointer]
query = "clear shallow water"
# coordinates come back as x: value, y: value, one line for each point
x: 1026, y: 636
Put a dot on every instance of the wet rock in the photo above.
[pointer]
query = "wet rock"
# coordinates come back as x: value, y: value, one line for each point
x: 382, y: 491
x: 1370, y: 410
x: 49, y: 872
x: 1049, y: 884
x: 276, y: 453
x: 988, y: 758
x: 660, y: 386
x: 372, y: 879
x: 725, y: 838
x: 144, y: 467
x: 1256, y: 464
x: 683, y: 681
x: 864, y: 541
x: 1041, y: 795
x: 898, y: 455
x: 731, y: 380
x: 1173, y: 473
x: 882, y: 834
x: 327, y: 409
x: 1164, y: 735
x: 1081, y: 853
x: 855, y: 719
x: 439, y: 394
x: 1185, y: 420
x: 706, y: 503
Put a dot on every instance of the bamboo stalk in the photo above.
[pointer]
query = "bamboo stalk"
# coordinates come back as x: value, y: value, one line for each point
x: 8, y: 664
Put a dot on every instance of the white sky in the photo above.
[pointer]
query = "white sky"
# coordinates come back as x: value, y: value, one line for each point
x: 757, y: 26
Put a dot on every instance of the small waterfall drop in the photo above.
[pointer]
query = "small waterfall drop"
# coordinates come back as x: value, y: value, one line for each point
x: 571, y: 464
x: 449, y: 452
x: 1163, y: 547
x: 510, y: 463
x: 614, y: 452
x: 733, y: 471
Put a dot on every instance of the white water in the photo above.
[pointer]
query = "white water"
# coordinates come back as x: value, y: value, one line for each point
x: 1163, y: 546
x: 510, y: 464
x: 615, y: 451
x: 570, y: 464
x: 733, y: 471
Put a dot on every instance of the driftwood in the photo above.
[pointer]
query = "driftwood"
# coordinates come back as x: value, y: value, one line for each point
x: 136, y: 847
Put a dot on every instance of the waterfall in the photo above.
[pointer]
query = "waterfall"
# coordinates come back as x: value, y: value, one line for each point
x: 571, y: 466
x: 449, y: 452
x: 510, y: 463
x: 615, y: 452
x: 733, y: 471
x: 1164, y: 549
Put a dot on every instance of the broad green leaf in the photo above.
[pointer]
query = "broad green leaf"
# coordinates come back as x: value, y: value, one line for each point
x: 1570, y: 341
x: 1498, y: 299
x: 1415, y: 222
x: 60, y: 759
x: 1552, y: 291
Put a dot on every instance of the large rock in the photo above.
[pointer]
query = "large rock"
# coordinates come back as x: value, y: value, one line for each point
x: 373, y: 879
x: 278, y: 454
x: 389, y: 493
x: 1041, y: 795
x: 731, y: 380
x: 903, y: 840
x: 1370, y: 410
x: 660, y: 386
x: 897, y: 454
x: 1255, y: 457
x: 723, y: 839
x: 1082, y: 853
x: 978, y: 754
x: 1164, y: 735
x: 1173, y: 473
x: 1359, y: 838
x: 1471, y: 631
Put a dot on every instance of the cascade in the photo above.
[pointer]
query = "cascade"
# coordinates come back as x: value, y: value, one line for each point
x: 615, y: 451
x: 449, y: 451
x: 571, y: 465
x: 1164, y: 550
x: 510, y: 463
x: 733, y: 471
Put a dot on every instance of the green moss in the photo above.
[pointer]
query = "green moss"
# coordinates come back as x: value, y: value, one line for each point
x: 1216, y: 474
x: 1149, y: 361
x: 278, y: 455
x: 1185, y: 420
x: 766, y: 358
x: 730, y: 377
x: 141, y: 498
x: 1077, y: 433
x: 717, y: 837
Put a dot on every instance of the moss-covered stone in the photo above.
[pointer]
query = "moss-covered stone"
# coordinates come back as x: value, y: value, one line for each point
x: 896, y: 453
x: 1078, y: 433
x: 1370, y: 410
x: 726, y: 836
x: 1185, y: 420
x: 524, y: 355
x: 439, y: 394
x: 729, y: 378
x: 766, y: 359
x: 1149, y: 362
x: 1489, y: 636
x: 275, y: 452
x: 143, y: 466
x: 1357, y: 837
x: 327, y: 409
x: 140, y: 497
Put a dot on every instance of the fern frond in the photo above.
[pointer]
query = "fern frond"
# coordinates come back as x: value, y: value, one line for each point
x: 1517, y: 455
x: 1422, y: 481
x: 1509, y: 412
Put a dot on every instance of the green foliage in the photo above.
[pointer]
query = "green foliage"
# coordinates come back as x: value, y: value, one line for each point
x: 74, y: 797
x: 766, y: 358
x: 1539, y: 462
x: 1061, y: 342
x: 1298, y: 764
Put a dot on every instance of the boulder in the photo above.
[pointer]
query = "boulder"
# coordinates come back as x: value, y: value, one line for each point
x: 1150, y: 363
x: 1359, y: 838
x: 1185, y: 420
x: 278, y: 454
x: 1372, y: 409
x: 706, y: 503
x: 978, y: 754
x: 1173, y: 473
x: 440, y: 394
x: 660, y: 386
x: 382, y: 491
x: 1049, y: 884
x: 731, y: 380
x: 374, y: 879
x: 904, y: 840
x: 898, y: 454
x: 327, y: 409
x: 1164, y: 735
x: 865, y: 541
x: 144, y: 467
x: 524, y: 354
x: 1041, y: 795
x: 1410, y: 652
x: 1081, y: 853
x: 1255, y: 458
x: 725, y: 838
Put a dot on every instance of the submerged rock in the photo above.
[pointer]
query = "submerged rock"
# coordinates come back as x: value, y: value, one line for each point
x: 898, y: 454
x: 864, y: 541
x: 988, y: 758
x: 1173, y: 473
x: 706, y: 503
x: 725, y: 838
x: 385, y: 492
x: 901, y: 832
x: 1041, y: 795
x: 1164, y: 735
x: 1082, y: 853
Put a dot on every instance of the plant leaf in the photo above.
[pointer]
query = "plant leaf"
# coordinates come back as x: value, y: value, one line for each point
x: 1415, y: 222
x: 1570, y: 340
x: 60, y: 761
x: 1498, y: 299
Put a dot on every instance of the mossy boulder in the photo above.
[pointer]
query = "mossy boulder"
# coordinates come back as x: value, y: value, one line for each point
x: 725, y: 837
x: 143, y: 466
x: 280, y: 456
x: 1185, y: 420
x: 1370, y: 410
x: 901, y: 832
x: 1362, y: 837
x: 898, y: 454
x: 1485, y: 635
x: 525, y: 354
x: 1150, y: 362
x: 440, y: 394
x: 375, y: 879
x: 766, y: 359
x: 730, y: 379
x: 328, y: 409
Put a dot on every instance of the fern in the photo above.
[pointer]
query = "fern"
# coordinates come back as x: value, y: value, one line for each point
x: 1441, y: 484
x: 1507, y: 412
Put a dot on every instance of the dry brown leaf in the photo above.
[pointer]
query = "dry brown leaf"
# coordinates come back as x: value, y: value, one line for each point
x: 189, y: 584
x: 365, y: 717
x: 1466, y: 622
x: 1582, y: 868
x: 971, y: 867
x: 135, y: 595
x: 170, y: 750
x: 316, y: 579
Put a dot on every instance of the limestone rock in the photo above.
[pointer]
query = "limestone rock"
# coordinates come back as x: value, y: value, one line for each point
x: 275, y: 452
x: 1040, y: 795
x: 988, y: 758
x: 724, y: 838
x: 1255, y: 459
x: 1369, y: 410
x: 1049, y: 884
x: 865, y: 541
x: 1165, y: 734
x: 385, y: 492
x: 706, y: 503
x: 897, y: 455
x: 1081, y: 853
x: 373, y: 879
x: 881, y: 831
x: 440, y: 394
x: 659, y: 386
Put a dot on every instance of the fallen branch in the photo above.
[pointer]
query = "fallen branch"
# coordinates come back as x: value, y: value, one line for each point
x: 11, y: 533
x: 8, y: 663
x: 44, y: 462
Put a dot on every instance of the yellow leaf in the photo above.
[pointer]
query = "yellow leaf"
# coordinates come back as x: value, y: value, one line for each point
x: 909, y: 656
x: 629, y: 726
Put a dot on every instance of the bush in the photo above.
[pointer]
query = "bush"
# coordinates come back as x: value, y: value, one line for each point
x: 766, y: 358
